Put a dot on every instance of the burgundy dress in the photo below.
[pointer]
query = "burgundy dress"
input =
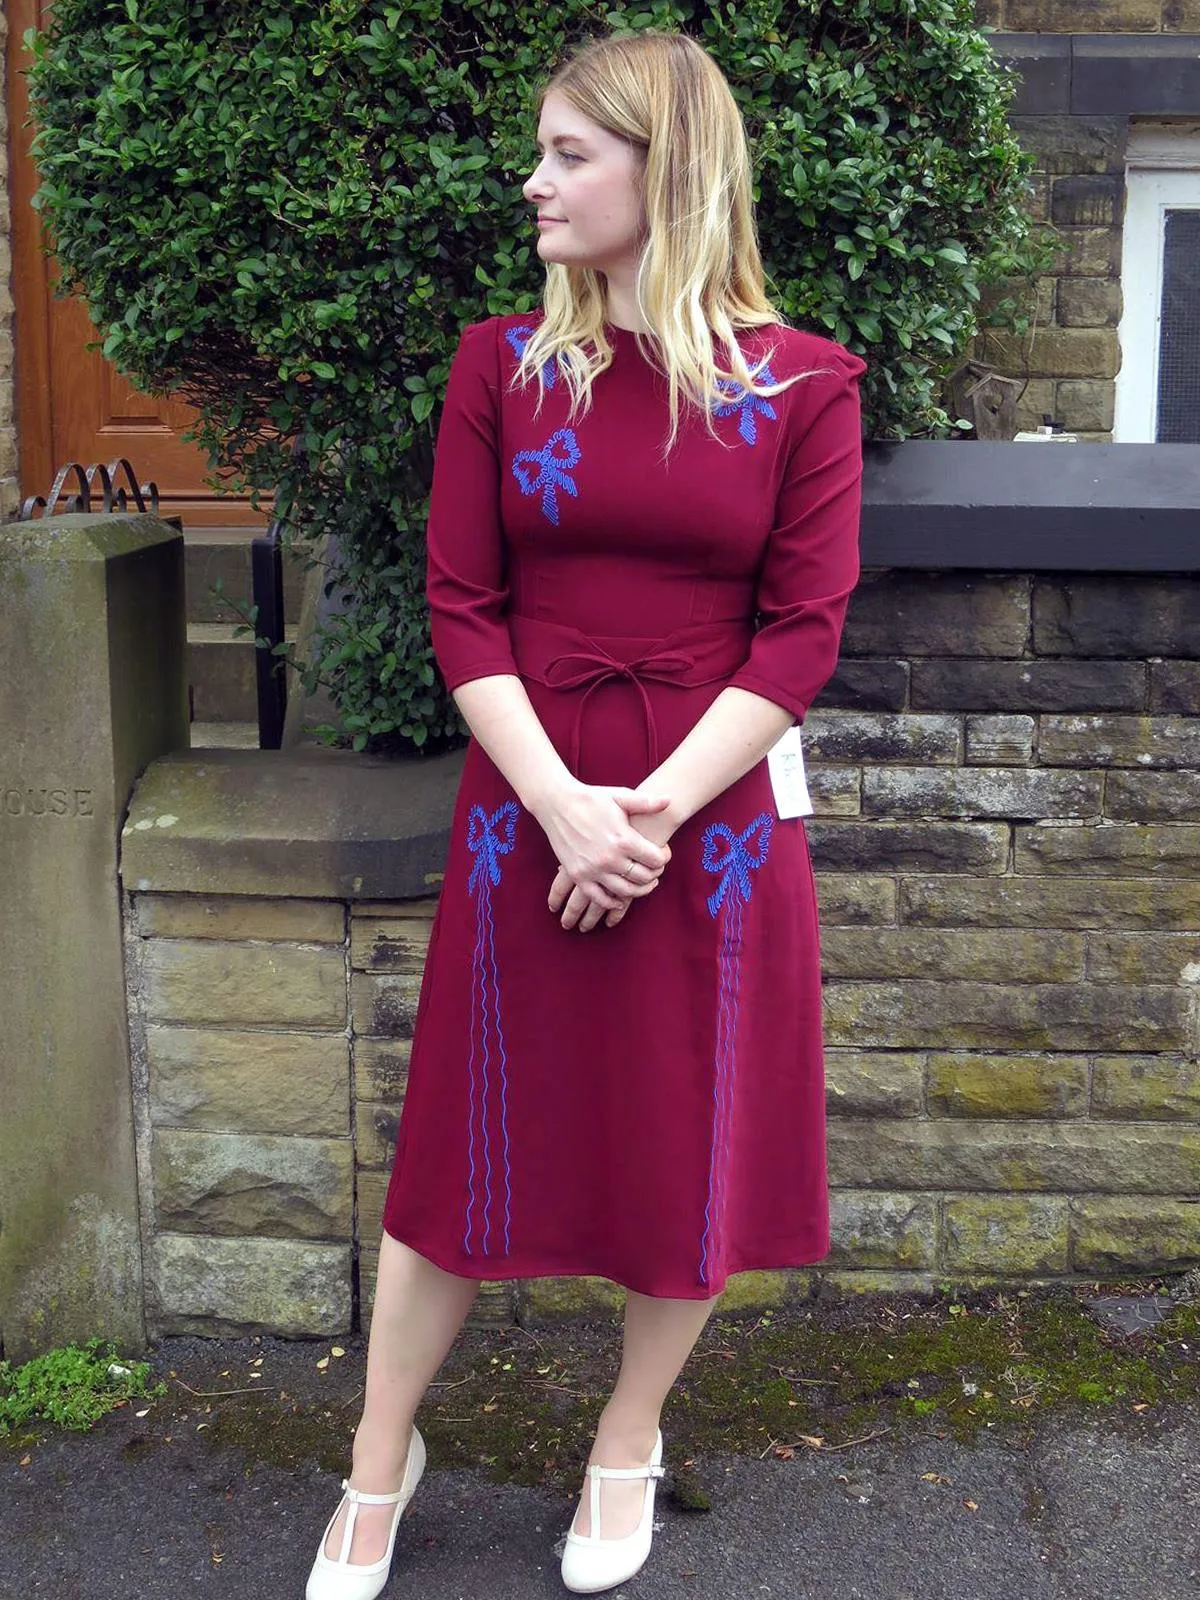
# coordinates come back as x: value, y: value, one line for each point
x: 644, y: 1103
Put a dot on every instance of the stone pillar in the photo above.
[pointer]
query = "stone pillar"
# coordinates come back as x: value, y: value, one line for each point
x: 92, y: 688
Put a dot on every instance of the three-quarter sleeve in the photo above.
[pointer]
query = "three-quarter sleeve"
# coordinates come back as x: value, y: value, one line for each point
x: 465, y: 561
x: 811, y: 561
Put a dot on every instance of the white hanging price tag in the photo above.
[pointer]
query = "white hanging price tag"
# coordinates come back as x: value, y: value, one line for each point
x: 785, y: 764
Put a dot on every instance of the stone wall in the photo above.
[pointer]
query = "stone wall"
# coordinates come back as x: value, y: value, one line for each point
x: 1011, y: 905
x: 1004, y: 771
x: 272, y: 1054
x: 241, y: 1070
x: 1089, y: 16
x: 1074, y: 111
x: 1072, y: 354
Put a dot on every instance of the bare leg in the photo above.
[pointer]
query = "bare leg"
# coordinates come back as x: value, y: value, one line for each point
x: 659, y: 1336
x: 417, y: 1313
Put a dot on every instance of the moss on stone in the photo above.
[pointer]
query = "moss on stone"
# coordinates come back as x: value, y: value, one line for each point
x: 552, y: 1299
x: 524, y: 1406
x: 756, y: 1290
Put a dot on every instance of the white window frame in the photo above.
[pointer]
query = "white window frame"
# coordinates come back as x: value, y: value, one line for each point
x: 1162, y: 173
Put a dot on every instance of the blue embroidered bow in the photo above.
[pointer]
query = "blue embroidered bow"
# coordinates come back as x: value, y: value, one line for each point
x: 553, y: 469
x: 748, y: 403
x: 738, y: 861
x: 487, y: 844
x: 518, y: 338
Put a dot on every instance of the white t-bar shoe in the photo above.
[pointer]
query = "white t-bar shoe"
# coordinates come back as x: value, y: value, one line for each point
x: 590, y: 1562
x: 340, y: 1580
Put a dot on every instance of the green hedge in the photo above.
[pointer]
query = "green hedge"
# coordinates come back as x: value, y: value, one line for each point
x: 284, y: 213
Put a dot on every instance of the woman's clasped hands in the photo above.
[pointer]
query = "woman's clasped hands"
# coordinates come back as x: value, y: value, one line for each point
x: 611, y: 845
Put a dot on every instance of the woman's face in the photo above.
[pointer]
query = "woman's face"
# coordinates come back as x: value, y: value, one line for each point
x: 586, y: 182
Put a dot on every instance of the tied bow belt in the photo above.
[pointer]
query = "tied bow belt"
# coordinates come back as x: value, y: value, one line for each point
x: 563, y: 657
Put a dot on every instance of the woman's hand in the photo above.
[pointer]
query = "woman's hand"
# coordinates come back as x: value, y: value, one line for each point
x: 604, y: 860
x: 658, y: 827
x: 655, y: 826
x: 584, y: 913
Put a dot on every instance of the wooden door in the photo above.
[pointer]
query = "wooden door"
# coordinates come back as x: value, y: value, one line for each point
x: 72, y: 405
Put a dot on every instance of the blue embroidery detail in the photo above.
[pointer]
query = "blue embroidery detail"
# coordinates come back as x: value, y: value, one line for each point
x: 738, y: 862
x: 553, y: 469
x: 518, y: 338
x: 486, y: 844
x: 489, y: 837
x: 747, y: 403
x: 735, y: 856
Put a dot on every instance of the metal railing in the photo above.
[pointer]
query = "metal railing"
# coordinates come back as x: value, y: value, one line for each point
x: 114, y: 496
x: 266, y: 592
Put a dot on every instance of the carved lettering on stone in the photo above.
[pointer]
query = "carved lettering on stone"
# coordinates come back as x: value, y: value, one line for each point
x: 47, y: 803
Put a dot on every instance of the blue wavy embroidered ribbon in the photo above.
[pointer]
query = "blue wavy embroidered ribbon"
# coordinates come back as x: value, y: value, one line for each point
x: 490, y: 836
x: 736, y: 856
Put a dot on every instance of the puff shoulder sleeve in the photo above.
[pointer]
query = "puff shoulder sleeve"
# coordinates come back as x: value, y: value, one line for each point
x: 465, y: 559
x: 811, y: 563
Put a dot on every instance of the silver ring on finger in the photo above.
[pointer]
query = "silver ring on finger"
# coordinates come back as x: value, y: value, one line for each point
x: 629, y: 869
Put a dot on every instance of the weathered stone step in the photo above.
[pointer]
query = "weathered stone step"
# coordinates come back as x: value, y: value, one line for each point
x: 224, y: 735
x: 232, y: 736
x: 221, y: 671
x: 224, y: 553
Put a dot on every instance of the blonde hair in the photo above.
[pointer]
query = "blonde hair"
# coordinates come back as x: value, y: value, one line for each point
x: 700, y: 272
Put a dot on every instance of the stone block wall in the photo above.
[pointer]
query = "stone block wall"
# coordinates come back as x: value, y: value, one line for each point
x: 1007, y: 841
x: 1072, y: 355
x: 270, y: 1042
x: 1009, y: 857
x: 1089, y: 16
x: 387, y: 946
x: 241, y: 1056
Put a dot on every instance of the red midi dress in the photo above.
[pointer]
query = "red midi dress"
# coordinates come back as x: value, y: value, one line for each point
x: 646, y: 1102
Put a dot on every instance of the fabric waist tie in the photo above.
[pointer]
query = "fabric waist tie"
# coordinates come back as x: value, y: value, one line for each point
x: 563, y: 657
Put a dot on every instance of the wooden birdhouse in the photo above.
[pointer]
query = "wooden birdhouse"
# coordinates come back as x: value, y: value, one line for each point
x: 986, y: 399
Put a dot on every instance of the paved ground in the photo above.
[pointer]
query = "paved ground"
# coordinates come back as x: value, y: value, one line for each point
x: 1085, y: 1509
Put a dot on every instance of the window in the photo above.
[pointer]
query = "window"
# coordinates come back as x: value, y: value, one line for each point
x: 1158, y: 387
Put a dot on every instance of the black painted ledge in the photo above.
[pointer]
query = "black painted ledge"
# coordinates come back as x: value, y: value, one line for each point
x: 1002, y: 506
x: 1103, y: 74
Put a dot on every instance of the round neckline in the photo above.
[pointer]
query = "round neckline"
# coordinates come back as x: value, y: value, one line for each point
x: 619, y: 334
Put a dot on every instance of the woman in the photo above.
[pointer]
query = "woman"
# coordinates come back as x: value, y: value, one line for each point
x: 645, y: 1103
